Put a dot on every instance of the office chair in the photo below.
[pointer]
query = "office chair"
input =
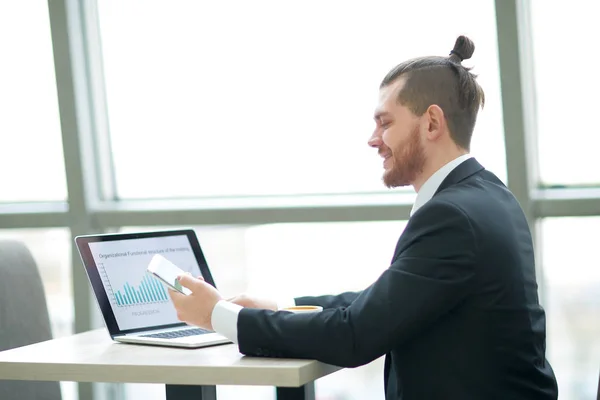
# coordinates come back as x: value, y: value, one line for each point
x: 24, y: 317
x: 598, y: 395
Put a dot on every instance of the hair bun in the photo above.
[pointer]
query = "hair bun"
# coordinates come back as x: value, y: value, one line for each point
x: 463, y: 49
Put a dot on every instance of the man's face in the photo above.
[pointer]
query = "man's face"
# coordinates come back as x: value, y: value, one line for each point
x: 397, y: 138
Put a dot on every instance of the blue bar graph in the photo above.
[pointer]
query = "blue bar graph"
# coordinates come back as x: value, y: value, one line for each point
x: 149, y: 290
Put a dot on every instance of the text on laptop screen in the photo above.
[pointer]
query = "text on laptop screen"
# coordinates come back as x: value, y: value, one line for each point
x: 139, y: 300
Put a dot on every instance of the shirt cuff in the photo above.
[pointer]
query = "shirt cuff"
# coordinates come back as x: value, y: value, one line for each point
x: 224, y: 319
x: 286, y: 302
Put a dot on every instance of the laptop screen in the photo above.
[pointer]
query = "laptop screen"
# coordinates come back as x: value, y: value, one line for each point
x: 129, y: 297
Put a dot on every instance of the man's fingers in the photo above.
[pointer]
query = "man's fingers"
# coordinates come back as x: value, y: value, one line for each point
x: 190, y: 282
x: 187, y: 281
x: 176, y: 298
x: 174, y: 295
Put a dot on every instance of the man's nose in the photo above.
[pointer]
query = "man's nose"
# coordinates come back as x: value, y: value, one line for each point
x: 375, y: 140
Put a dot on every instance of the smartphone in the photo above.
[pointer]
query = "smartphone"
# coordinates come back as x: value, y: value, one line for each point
x: 167, y: 273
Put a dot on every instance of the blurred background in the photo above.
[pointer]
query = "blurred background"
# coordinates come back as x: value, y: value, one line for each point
x: 249, y: 120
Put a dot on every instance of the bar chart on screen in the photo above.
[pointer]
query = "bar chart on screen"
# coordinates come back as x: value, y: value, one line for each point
x: 148, y: 290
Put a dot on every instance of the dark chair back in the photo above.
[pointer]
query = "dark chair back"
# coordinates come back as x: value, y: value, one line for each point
x: 24, y: 317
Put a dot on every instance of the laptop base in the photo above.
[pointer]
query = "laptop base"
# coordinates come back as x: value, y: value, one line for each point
x: 192, y: 344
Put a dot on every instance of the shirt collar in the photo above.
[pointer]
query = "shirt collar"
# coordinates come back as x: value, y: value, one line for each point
x: 432, y: 184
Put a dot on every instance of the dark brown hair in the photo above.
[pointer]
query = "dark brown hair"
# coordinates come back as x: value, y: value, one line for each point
x: 443, y: 81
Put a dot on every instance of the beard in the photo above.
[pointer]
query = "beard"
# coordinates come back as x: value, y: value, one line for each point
x: 408, y: 162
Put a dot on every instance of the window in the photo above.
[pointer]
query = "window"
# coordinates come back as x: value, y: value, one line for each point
x: 31, y: 155
x: 51, y: 250
x: 282, y: 260
x: 275, y: 98
x: 572, y: 287
x: 566, y: 90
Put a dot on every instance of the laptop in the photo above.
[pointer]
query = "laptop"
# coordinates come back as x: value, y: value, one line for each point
x: 135, y: 305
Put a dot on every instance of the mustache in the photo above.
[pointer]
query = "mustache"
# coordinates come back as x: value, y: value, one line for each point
x: 384, y: 151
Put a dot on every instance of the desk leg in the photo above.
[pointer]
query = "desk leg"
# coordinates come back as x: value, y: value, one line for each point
x: 191, y: 392
x: 306, y: 392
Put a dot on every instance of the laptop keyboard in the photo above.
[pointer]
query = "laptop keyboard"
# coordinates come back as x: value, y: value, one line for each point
x: 178, y: 334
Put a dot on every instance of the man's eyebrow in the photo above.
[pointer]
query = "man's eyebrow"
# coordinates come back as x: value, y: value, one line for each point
x: 379, y: 114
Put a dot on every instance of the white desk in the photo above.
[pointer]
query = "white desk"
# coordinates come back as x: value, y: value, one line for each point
x: 188, y: 373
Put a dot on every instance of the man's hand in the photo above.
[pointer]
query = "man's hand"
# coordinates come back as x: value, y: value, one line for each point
x: 196, y: 308
x: 248, y: 301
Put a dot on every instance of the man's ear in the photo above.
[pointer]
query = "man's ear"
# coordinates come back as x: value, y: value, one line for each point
x: 436, y: 122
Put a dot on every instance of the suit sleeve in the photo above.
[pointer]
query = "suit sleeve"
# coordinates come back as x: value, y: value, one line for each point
x: 431, y: 274
x: 341, y: 300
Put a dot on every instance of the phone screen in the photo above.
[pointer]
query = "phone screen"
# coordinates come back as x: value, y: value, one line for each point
x: 167, y: 273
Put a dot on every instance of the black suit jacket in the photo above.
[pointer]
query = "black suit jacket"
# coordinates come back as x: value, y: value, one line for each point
x: 456, y: 313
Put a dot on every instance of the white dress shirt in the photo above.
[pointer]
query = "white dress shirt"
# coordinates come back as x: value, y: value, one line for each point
x: 225, y: 314
x: 432, y: 184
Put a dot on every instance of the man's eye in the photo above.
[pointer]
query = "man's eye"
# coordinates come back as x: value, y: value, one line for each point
x: 385, y: 124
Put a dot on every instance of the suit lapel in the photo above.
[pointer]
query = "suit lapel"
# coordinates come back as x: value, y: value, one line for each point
x: 460, y: 173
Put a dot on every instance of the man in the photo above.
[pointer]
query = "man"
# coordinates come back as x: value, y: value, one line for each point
x: 457, y: 311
